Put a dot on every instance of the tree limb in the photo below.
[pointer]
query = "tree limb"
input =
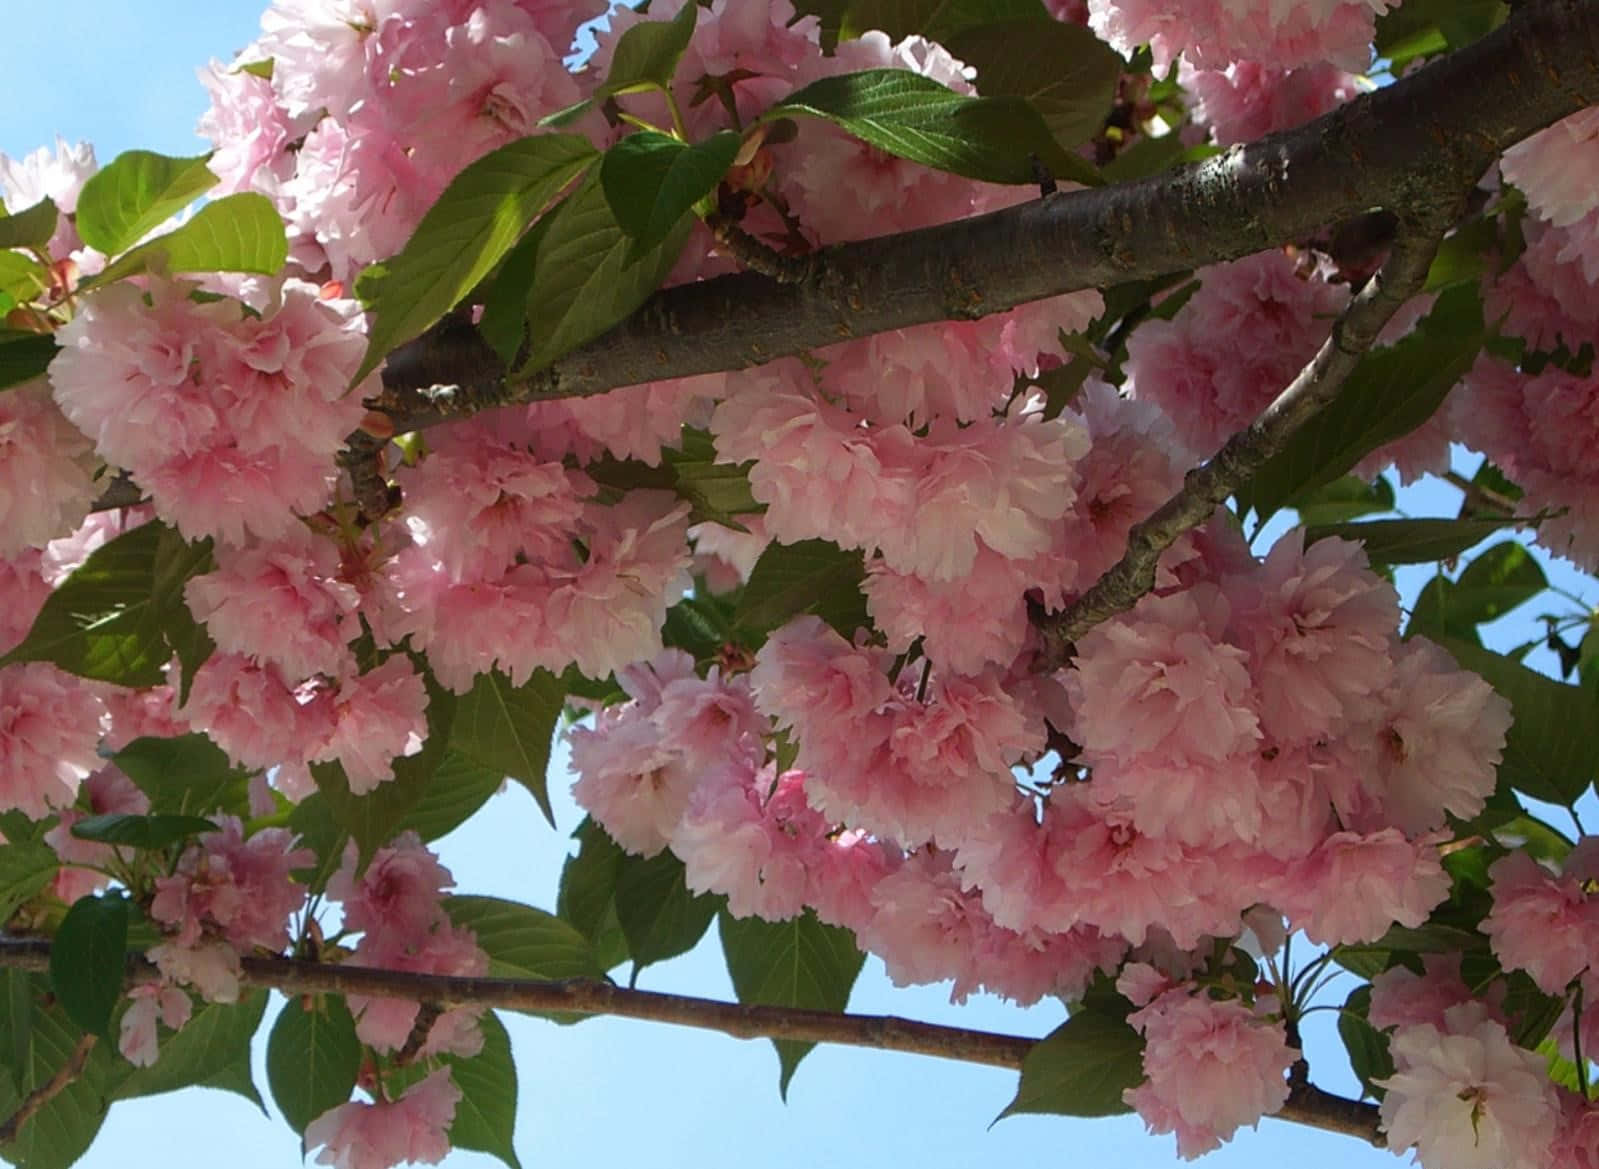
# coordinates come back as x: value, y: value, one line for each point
x: 1307, y: 1105
x: 1405, y: 148
x: 48, y: 1091
x: 1208, y: 485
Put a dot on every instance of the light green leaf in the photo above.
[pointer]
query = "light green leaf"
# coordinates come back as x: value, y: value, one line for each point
x: 993, y: 139
x: 647, y: 54
x: 585, y: 278
x: 138, y: 192
x: 1081, y: 1068
x: 88, y: 958
x: 216, y: 1038
x: 796, y: 963
x: 813, y: 576
x: 61, y: 1131
x: 25, y: 869
x: 313, y: 1058
x: 507, y: 729
x: 236, y: 233
x: 482, y: 213
x: 652, y: 180
x: 31, y: 227
x: 1498, y: 580
x: 459, y: 788
x: 524, y: 942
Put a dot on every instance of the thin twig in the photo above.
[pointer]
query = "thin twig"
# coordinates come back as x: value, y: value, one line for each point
x: 1208, y: 485
x: 1309, y: 1106
x: 53, y: 1087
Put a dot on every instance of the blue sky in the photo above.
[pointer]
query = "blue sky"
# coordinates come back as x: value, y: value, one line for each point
x: 607, y: 1092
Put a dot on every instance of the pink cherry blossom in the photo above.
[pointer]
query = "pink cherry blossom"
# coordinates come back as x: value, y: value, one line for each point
x: 415, y: 1127
x: 50, y: 726
x: 136, y: 1033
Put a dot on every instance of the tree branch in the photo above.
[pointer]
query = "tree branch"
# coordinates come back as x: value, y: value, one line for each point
x: 1407, y: 147
x: 1208, y: 485
x: 1307, y: 1104
x: 48, y: 1091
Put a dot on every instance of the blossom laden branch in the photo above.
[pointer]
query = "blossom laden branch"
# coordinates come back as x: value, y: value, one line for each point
x: 1307, y: 1104
x: 1209, y: 485
x: 1434, y: 131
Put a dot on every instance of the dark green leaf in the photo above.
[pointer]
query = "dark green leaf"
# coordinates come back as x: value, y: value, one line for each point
x: 1551, y: 752
x: 236, y: 233
x: 585, y: 278
x: 1367, y: 1046
x: 504, y: 321
x: 137, y: 193
x: 587, y: 895
x: 215, y: 1039
x: 189, y: 774
x: 652, y: 180
x: 25, y: 869
x: 1410, y: 541
x: 61, y: 1131
x: 719, y: 492
x: 31, y: 227
x: 1496, y: 581
x: 88, y: 960
x: 1436, y: 613
x: 1081, y: 1068
x: 316, y: 829
x: 994, y: 139
x: 155, y: 831
x: 647, y: 54
x: 459, y: 788
x: 1391, y: 392
x: 937, y: 20
x: 1146, y: 156
x: 796, y: 963
x: 659, y: 916
x: 24, y: 356
x: 524, y: 942
x: 507, y: 729
x: 475, y: 222
x: 813, y: 576
x: 1344, y: 499
x: 313, y: 1058
x: 1066, y: 72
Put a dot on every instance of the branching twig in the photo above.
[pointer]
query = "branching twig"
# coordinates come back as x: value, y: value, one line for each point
x: 1436, y: 129
x: 1308, y: 1106
x: 48, y: 1091
x: 1209, y: 484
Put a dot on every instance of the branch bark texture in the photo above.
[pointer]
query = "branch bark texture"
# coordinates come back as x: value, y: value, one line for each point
x: 1307, y: 1105
x: 1410, y: 147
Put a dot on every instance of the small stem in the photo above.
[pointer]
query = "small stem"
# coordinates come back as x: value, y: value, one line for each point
x: 53, y: 1087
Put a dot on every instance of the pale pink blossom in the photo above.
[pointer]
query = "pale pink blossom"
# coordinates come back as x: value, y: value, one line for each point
x: 374, y: 719
x: 210, y: 966
x: 136, y: 1033
x: 1541, y: 923
x: 1248, y: 100
x: 1402, y: 998
x: 1353, y: 886
x: 1558, y: 168
x: 415, y: 1127
x: 108, y: 790
x: 399, y: 892
x: 50, y: 726
x: 237, y: 887
x: 46, y: 466
x: 1214, y: 33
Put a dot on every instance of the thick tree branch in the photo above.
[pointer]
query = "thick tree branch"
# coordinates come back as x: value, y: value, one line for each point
x: 1208, y: 485
x: 1308, y: 1105
x: 1407, y: 147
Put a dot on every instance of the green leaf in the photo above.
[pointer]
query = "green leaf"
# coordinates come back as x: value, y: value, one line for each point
x: 993, y: 139
x: 189, y: 774
x: 24, y: 356
x: 813, y: 576
x: 585, y: 276
x: 216, y: 1038
x: 504, y: 321
x: 937, y: 20
x: 1367, y: 1046
x: 587, y: 896
x: 1390, y: 393
x: 1551, y: 752
x: 138, y: 192
x: 61, y: 1131
x: 88, y: 960
x: 719, y: 492
x: 507, y: 729
x: 1496, y: 581
x: 524, y: 942
x: 25, y: 870
x: 1081, y: 1068
x: 236, y: 233
x: 647, y: 54
x: 1344, y: 499
x: 481, y: 214
x: 796, y: 963
x: 459, y: 788
x: 652, y: 180
x: 1063, y: 70
x: 313, y: 1058
x: 485, y: 1118
x: 373, y: 819
x: 156, y: 831
x: 659, y: 916
x: 31, y: 227
x: 1410, y: 541
x: 1436, y: 614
